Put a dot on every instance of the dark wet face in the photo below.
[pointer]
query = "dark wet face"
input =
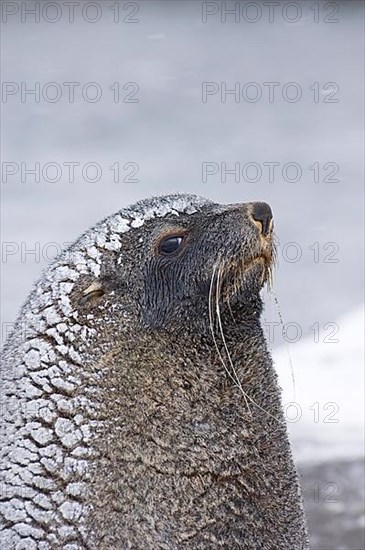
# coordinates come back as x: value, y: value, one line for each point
x: 192, y: 259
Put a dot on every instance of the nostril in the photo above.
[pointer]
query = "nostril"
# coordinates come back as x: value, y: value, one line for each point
x: 262, y: 213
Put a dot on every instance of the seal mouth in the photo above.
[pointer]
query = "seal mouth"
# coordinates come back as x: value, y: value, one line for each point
x: 236, y: 272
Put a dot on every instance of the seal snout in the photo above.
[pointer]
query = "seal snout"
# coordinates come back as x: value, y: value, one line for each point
x: 263, y: 217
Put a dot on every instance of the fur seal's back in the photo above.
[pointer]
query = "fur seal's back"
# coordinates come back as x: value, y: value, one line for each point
x: 139, y: 405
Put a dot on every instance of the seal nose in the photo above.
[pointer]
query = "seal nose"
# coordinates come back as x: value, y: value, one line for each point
x: 262, y: 213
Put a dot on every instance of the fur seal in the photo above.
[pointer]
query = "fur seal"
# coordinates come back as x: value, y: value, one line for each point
x: 139, y: 404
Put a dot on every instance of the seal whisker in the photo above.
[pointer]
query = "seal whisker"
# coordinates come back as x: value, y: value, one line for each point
x: 211, y: 326
x: 218, y: 312
x: 235, y: 377
x: 286, y: 344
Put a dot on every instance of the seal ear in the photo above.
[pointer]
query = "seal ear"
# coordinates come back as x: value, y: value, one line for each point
x: 92, y: 292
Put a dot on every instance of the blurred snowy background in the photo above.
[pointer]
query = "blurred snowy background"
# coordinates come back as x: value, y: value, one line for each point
x: 145, y: 115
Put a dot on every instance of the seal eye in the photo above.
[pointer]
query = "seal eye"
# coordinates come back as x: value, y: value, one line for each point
x: 169, y: 246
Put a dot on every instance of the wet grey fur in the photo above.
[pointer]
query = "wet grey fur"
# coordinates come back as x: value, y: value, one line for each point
x: 120, y: 427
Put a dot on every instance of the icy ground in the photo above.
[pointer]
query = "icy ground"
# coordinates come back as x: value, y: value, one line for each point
x: 326, y: 425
